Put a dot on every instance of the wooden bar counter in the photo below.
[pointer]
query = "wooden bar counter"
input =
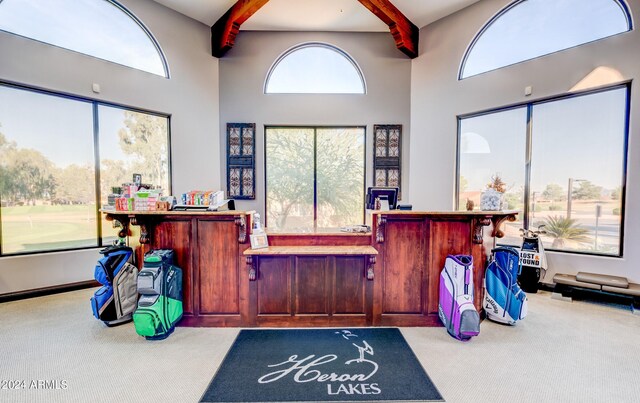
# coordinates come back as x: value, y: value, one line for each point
x: 388, y: 277
x: 311, y: 285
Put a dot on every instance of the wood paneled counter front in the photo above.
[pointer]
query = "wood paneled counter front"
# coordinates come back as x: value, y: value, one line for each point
x: 388, y: 277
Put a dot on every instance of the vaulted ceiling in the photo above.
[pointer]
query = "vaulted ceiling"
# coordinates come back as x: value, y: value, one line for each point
x: 401, y: 17
x: 317, y: 15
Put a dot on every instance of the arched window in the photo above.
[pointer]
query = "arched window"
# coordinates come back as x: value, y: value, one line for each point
x: 527, y: 29
x: 315, y: 68
x: 98, y: 28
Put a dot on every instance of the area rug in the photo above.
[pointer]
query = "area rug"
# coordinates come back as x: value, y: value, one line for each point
x: 293, y: 365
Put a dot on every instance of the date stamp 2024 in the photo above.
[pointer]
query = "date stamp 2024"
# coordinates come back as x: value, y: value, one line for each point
x: 34, y: 384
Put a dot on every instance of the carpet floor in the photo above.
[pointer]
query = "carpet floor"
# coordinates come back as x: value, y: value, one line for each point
x: 562, y: 352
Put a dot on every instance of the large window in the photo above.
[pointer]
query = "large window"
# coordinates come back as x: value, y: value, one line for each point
x: 576, y: 169
x: 315, y: 68
x: 528, y: 29
x: 314, y: 177
x: 100, y: 28
x: 48, y: 167
x: 47, y: 172
x: 131, y: 142
x: 494, y: 145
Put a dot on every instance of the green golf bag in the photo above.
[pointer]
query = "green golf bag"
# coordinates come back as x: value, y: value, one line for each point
x: 160, y: 304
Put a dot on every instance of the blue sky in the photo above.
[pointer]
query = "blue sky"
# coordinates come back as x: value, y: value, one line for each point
x: 61, y: 129
x: 315, y: 69
x: 581, y: 138
x: 96, y: 28
x: 539, y: 27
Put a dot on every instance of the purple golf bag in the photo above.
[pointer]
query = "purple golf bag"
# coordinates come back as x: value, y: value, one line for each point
x: 455, y: 307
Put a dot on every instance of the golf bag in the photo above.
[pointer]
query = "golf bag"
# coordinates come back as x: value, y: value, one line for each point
x: 455, y: 306
x: 533, y: 260
x: 504, y: 301
x: 116, y: 300
x: 160, y: 288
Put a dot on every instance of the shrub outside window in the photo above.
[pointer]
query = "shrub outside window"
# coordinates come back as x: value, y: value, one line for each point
x: 314, y: 177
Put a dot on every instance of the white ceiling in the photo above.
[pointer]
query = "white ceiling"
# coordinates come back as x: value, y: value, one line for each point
x: 317, y: 15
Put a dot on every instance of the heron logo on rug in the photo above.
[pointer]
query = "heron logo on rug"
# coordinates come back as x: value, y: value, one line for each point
x: 309, y: 369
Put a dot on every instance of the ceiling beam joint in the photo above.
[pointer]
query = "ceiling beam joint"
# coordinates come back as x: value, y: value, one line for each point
x: 405, y: 33
x: 225, y: 30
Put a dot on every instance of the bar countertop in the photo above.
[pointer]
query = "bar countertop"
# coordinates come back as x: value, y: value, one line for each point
x: 313, y: 250
x: 175, y: 212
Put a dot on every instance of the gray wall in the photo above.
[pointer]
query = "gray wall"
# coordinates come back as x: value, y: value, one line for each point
x: 190, y: 96
x: 242, y: 100
x: 437, y: 97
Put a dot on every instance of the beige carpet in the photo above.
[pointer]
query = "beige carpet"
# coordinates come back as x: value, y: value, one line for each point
x: 562, y: 352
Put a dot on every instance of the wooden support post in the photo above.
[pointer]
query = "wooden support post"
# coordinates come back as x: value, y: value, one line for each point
x: 497, y: 222
x: 241, y: 222
x: 252, y: 268
x: 478, y: 224
x: 372, y: 262
x: 380, y: 228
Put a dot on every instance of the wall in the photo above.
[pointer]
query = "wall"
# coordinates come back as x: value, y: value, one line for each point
x: 190, y: 97
x: 243, y: 71
x: 437, y: 98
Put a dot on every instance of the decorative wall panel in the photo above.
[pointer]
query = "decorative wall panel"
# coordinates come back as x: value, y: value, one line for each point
x: 241, y: 150
x: 387, y: 159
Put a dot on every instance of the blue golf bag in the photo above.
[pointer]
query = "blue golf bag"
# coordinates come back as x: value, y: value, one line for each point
x: 504, y: 301
x: 116, y: 300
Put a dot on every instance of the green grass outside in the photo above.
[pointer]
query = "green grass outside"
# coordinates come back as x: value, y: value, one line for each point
x: 37, y: 228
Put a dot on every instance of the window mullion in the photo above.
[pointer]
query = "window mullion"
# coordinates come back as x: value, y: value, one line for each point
x: 315, y: 178
x: 0, y: 224
x: 625, y: 166
x: 527, y: 166
x: 96, y: 154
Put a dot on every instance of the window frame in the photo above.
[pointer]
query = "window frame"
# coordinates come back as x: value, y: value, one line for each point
x: 527, y: 166
x: 621, y: 3
x: 152, y: 38
x: 96, y: 155
x: 315, y: 185
x: 325, y: 45
x: 137, y: 21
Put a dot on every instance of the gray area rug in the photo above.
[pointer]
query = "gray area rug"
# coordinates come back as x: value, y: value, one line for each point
x: 320, y: 365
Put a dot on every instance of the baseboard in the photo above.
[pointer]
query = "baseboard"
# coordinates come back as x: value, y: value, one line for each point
x: 546, y: 287
x: 39, y: 292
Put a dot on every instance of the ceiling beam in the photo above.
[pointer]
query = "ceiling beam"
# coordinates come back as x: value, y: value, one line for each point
x: 224, y: 31
x: 404, y: 32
